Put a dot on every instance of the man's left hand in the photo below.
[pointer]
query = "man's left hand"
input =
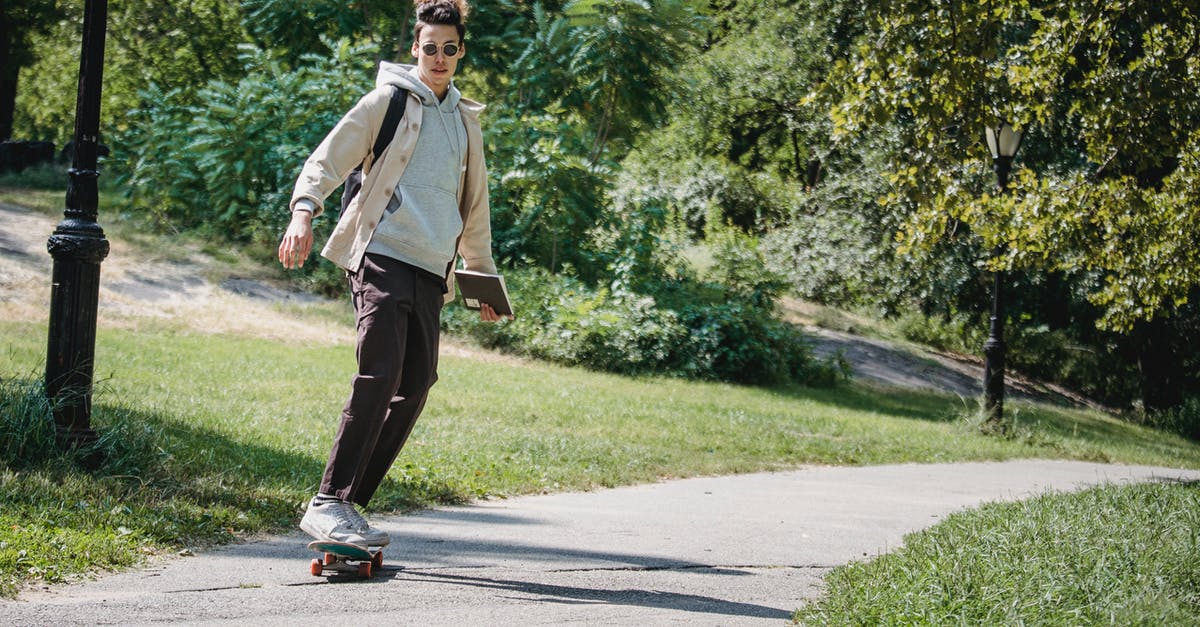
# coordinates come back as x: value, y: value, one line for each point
x: 487, y: 314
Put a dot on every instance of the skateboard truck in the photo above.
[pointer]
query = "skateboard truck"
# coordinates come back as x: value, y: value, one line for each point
x: 343, y: 557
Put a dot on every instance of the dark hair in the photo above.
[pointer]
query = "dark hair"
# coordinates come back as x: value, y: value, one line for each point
x: 441, y: 12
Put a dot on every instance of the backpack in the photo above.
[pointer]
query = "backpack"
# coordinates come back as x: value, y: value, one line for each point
x: 391, y: 119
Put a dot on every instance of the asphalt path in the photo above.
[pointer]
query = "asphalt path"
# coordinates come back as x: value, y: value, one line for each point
x: 736, y: 550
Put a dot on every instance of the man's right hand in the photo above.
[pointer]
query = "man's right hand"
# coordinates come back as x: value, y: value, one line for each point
x: 297, y: 241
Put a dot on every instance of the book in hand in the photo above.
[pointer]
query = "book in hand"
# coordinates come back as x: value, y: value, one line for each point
x: 481, y: 287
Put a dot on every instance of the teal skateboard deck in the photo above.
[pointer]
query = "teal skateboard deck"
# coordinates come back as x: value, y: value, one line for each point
x: 343, y: 557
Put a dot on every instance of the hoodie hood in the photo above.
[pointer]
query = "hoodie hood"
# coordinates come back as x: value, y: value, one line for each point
x: 405, y: 76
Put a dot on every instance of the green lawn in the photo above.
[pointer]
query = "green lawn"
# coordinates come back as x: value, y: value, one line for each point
x: 1106, y: 556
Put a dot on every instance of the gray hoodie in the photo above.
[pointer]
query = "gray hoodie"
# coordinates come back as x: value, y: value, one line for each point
x: 422, y: 220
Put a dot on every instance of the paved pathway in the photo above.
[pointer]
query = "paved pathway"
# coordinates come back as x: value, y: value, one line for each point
x: 740, y: 550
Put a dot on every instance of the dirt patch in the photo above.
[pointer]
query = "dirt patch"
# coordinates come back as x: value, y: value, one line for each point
x: 136, y: 287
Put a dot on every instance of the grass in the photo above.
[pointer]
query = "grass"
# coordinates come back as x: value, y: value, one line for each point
x: 1126, y: 555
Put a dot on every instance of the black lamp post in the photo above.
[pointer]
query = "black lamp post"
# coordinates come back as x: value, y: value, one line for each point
x: 1003, y: 141
x: 78, y: 246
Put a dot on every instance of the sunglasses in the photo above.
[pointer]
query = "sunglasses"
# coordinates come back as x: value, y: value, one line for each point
x: 431, y: 49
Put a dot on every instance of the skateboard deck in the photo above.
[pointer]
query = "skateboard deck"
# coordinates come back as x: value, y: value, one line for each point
x: 343, y: 557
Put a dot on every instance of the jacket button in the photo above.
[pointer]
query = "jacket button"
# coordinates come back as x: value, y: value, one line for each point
x: 387, y: 192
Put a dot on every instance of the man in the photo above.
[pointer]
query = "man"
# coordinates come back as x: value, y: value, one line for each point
x: 423, y: 200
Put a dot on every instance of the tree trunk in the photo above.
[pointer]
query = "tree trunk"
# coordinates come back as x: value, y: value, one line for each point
x: 8, y: 81
x: 1056, y: 302
x: 1160, y: 366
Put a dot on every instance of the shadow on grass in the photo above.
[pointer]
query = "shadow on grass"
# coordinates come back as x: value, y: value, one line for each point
x: 896, y: 402
x: 1099, y: 429
x: 173, y: 483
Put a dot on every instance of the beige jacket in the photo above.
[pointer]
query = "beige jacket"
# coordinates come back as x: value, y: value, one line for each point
x: 349, y: 143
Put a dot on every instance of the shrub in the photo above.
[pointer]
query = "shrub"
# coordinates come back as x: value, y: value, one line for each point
x: 1184, y: 419
x: 561, y: 319
x: 689, y: 329
x: 42, y: 176
x: 222, y: 160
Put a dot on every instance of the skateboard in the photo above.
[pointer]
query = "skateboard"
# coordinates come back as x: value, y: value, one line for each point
x: 343, y: 557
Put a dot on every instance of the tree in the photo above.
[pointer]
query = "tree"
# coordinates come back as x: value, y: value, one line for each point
x: 1110, y: 188
x: 624, y: 52
x: 576, y: 81
x: 173, y: 44
x: 20, y: 23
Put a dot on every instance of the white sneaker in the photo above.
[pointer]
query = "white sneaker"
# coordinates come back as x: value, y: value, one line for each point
x: 374, y: 537
x: 335, y: 521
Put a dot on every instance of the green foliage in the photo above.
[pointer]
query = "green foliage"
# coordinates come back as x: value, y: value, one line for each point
x: 1094, y: 365
x: 29, y: 438
x: 747, y: 98
x: 594, y: 73
x: 546, y: 197
x: 1107, y: 93
x: 1183, y: 419
x: 49, y: 176
x: 624, y: 50
x: 295, y: 28
x: 1022, y: 563
x: 45, y: 98
x: 562, y: 320
x: 701, y: 193
x: 23, y: 22
x: 175, y: 44
x: 226, y: 165
x: 673, y: 325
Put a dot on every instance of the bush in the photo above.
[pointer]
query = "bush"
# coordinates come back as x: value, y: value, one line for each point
x: 560, y: 319
x: 690, y: 329
x: 42, y: 176
x: 1184, y: 419
x: 226, y: 166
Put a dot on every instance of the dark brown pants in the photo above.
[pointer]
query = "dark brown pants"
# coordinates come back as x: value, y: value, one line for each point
x: 398, y: 308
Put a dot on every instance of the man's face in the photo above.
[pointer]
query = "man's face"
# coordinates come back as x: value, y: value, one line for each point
x: 438, y: 68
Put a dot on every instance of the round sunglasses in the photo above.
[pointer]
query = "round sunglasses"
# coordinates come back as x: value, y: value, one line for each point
x: 431, y: 49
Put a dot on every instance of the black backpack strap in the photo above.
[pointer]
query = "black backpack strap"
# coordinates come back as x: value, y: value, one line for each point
x: 391, y: 120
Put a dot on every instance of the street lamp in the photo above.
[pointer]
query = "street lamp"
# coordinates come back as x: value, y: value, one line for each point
x: 78, y: 246
x: 1003, y: 141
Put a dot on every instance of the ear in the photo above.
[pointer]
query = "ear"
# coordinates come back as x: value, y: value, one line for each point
x: 415, y: 49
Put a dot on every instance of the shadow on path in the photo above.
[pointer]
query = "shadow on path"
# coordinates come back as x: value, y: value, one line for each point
x: 656, y: 599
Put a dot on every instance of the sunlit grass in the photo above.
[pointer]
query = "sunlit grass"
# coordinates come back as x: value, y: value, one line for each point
x: 1106, y: 556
